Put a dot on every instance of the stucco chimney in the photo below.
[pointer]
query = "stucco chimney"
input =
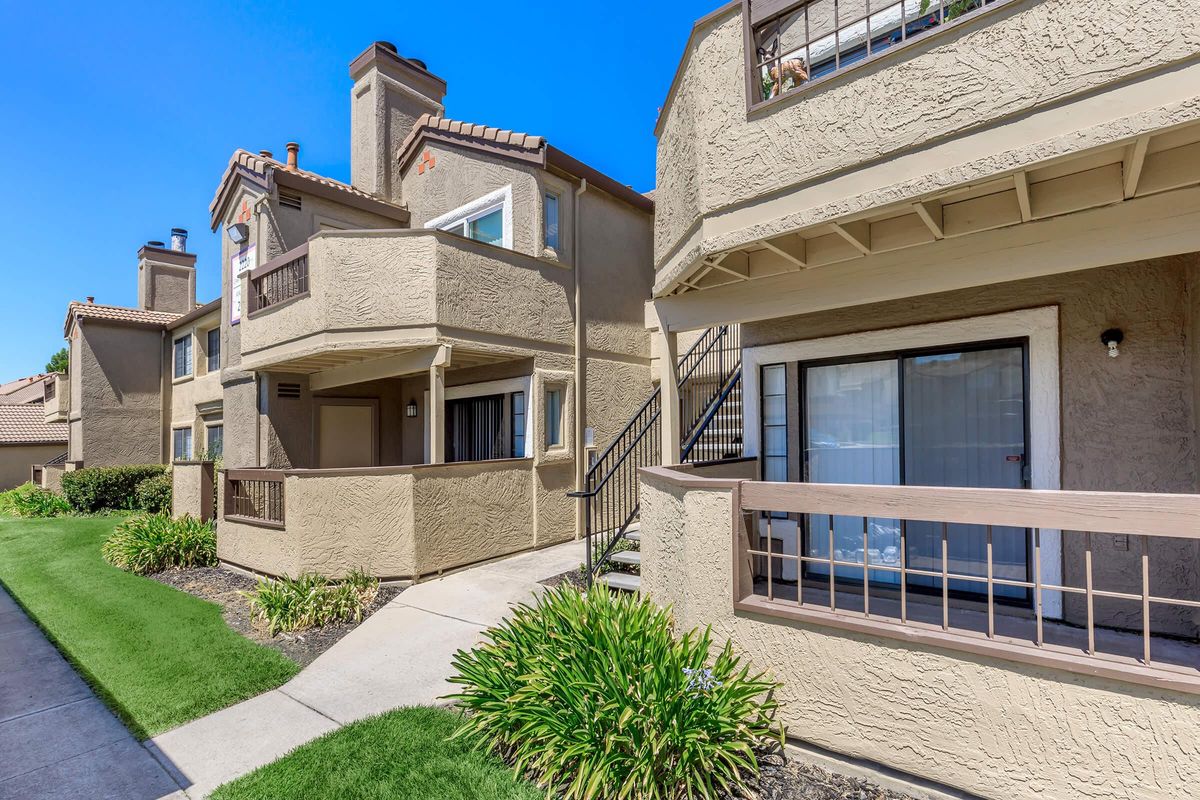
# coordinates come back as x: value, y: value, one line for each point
x: 167, y: 276
x: 293, y: 151
x: 389, y: 94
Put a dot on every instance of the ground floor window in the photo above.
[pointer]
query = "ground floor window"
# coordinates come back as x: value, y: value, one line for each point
x: 214, y: 443
x: 181, y: 445
x: 953, y: 416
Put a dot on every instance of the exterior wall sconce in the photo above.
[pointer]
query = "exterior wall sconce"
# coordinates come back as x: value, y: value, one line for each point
x: 238, y: 232
x: 410, y: 410
x: 1112, y: 339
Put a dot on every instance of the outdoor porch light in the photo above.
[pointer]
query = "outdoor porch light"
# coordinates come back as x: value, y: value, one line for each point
x: 238, y: 232
x: 410, y: 410
x: 1112, y: 339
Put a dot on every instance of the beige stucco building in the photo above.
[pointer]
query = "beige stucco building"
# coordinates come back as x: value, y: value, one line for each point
x: 961, y: 243
x: 419, y: 361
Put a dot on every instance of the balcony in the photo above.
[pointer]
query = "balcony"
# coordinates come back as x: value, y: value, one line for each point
x: 346, y: 297
x: 392, y: 522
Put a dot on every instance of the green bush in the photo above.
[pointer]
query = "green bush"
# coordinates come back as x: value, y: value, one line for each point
x: 594, y: 695
x: 149, y: 543
x: 97, y: 488
x: 154, y: 494
x: 311, y: 600
x: 28, y: 500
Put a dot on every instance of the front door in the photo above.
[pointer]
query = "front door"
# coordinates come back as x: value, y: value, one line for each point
x: 954, y: 417
x: 346, y: 434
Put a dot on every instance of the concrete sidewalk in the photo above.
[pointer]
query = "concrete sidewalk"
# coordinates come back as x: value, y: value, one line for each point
x: 399, y: 657
x: 57, y: 740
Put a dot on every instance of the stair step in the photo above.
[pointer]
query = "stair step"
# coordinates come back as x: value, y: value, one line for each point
x: 622, y: 582
x: 634, y: 535
x: 632, y: 558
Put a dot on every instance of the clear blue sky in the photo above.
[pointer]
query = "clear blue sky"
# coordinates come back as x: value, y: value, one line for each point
x: 116, y: 119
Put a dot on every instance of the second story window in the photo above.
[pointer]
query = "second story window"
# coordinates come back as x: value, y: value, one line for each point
x: 554, y: 417
x: 813, y: 39
x: 550, y: 229
x: 183, y: 356
x: 214, y: 350
x: 487, y: 219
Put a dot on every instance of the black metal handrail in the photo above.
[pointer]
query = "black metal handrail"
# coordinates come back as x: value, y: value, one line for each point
x: 709, y: 377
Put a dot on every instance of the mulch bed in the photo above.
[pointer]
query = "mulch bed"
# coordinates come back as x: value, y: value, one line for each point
x: 573, y: 578
x: 783, y: 779
x: 223, y: 587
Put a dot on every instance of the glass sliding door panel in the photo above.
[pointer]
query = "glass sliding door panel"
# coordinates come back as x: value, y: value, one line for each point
x: 852, y: 435
x: 964, y: 425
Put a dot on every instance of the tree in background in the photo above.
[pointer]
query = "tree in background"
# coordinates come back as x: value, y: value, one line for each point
x: 58, y: 362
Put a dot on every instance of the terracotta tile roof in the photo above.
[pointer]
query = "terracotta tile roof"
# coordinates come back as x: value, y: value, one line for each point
x: 27, y: 425
x: 259, y: 165
x: 24, y: 390
x: 119, y: 314
x: 428, y: 122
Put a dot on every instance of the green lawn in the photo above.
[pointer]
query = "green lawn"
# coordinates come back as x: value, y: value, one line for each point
x: 398, y: 755
x: 157, y: 656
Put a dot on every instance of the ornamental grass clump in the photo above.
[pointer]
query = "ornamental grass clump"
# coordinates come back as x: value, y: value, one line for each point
x: 311, y: 600
x: 28, y: 500
x: 594, y: 696
x: 148, y: 543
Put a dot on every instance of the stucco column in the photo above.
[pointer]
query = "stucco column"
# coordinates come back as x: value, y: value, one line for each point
x: 668, y: 381
x: 437, y: 414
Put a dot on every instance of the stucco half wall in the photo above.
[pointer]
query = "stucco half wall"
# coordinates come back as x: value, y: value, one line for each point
x: 995, y: 728
x: 405, y: 522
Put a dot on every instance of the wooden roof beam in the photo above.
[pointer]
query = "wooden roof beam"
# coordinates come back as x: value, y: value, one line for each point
x: 1131, y: 165
x: 791, y: 246
x: 1021, y: 180
x: 930, y: 213
x: 857, y: 233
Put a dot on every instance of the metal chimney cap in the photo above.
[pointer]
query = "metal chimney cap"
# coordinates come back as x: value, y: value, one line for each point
x: 266, y: 154
x: 417, y: 62
x: 156, y: 243
x: 388, y: 46
x: 179, y: 231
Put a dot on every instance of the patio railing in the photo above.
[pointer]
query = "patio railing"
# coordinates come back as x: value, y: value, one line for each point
x: 280, y: 279
x: 255, y: 496
x: 1108, y: 582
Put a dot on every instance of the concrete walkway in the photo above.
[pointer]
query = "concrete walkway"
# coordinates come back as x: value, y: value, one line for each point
x: 57, y: 740
x: 399, y: 657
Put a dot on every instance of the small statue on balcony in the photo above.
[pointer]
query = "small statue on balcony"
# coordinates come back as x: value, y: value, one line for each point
x: 787, y: 75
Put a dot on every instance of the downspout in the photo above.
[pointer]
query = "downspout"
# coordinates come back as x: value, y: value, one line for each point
x: 164, y: 368
x: 580, y: 360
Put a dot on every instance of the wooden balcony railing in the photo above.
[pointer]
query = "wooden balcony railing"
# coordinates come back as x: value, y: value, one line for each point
x: 1106, y: 583
x: 255, y: 496
x: 280, y: 280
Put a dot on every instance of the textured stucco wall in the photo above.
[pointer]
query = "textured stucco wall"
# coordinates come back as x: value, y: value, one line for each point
x: 265, y: 550
x: 184, y: 395
x: 615, y: 272
x: 1026, y: 57
x: 991, y: 727
x: 192, y: 487
x: 121, y: 395
x: 16, y: 461
x: 1128, y: 424
x: 167, y: 287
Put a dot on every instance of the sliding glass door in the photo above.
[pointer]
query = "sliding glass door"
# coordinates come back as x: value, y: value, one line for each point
x: 947, y: 418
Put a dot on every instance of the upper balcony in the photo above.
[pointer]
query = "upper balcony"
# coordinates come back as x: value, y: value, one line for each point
x: 56, y: 397
x: 347, y: 297
x: 821, y: 118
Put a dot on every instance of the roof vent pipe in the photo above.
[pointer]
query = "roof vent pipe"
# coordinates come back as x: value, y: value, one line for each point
x: 293, y: 149
x: 266, y: 153
x: 91, y: 300
x: 155, y: 243
x: 179, y: 240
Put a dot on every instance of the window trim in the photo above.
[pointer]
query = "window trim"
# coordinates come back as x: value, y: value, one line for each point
x: 547, y: 194
x: 480, y: 207
x: 208, y: 350
x: 506, y: 386
x: 191, y: 441
x: 560, y: 430
x: 208, y: 428
x: 749, y: 66
x: 191, y: 357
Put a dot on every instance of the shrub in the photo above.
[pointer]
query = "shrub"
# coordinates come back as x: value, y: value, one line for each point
x: 154, y: 494
x: 311, y: 600
x: 594, y: 695
x: 97, y: 488
x: 149, y: 543
x: 28, y: 500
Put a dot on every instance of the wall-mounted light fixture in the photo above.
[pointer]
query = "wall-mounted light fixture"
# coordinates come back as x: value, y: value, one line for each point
x: 1112, y: 339
x: 238, y: 232
x: 410, y: 410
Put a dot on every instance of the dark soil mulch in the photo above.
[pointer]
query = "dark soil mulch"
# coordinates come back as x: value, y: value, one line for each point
x: 571, y: 578
x: 223, y: 587
x: 782, y: 779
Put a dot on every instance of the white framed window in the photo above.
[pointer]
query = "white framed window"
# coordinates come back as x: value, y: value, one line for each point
x: 551, y: 236
x: 554, y: 416
x: 183, y: 356
x: 488, y: 219
x: 182, y: 444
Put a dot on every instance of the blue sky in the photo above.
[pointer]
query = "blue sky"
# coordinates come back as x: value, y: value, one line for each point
x: 117, y: 119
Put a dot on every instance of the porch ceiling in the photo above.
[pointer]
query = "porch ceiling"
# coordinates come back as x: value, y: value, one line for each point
x: 411, y: 361
x: 1147, y: 165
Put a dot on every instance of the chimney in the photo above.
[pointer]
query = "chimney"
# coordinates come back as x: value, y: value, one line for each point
x: 293, y: 150
x: 167, y: 277
x: 266, y: 154
x: 389, y: 94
